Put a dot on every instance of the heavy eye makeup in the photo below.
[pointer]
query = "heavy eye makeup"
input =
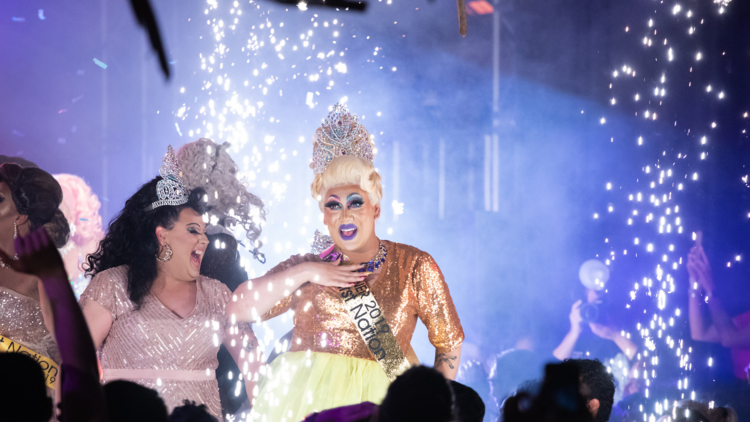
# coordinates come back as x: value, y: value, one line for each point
x: 355, y: 200
x: 333, y: 203
x: 194, y: 229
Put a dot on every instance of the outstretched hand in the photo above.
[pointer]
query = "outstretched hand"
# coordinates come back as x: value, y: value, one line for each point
x: 575, y: 316
x: 37, y: 256
x: 699, y: 268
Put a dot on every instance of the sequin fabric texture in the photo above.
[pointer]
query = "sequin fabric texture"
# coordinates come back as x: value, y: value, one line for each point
x: 153, y: 337
x: 21, y: 320
x: 410, y: 286
x: 340, y: 134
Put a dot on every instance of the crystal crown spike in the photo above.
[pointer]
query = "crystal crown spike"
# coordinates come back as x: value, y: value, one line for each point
x: 340, y: 134
x: 170, y: 189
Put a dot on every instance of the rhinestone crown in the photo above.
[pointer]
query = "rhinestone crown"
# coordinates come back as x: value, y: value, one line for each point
x: 170, y: 189
x: 340, y: 134
x: 321, y: 242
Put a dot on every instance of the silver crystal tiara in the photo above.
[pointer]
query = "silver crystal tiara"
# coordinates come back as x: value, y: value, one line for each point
x: 170, y: 189
x: 340, y: 134
x: 321, y: 242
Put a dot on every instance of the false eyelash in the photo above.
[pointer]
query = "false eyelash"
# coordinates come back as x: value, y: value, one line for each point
x: 357, y: 202
x: 332, y: 204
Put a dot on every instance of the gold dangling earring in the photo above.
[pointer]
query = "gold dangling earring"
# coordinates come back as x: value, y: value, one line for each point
x: 167, y: 254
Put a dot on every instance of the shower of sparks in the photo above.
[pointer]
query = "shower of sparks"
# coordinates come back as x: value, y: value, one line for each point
x: 252, y: 72
x: 656, y: 223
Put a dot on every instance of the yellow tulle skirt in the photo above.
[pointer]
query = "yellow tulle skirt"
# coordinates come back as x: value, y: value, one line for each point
x: 300, y: 383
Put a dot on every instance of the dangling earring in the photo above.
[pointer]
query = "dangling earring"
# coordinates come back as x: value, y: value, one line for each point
x: 167, y: 254
x: 14, y: 257
x: 15, y: 235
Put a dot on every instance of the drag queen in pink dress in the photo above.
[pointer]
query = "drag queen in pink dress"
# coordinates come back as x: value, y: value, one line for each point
x: 154, y: 319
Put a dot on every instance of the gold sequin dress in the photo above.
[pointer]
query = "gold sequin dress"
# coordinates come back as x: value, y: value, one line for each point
x: 158, y: 349
x: 328, y: 364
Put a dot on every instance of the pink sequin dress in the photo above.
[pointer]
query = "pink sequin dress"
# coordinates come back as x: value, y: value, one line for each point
x: 156, y: 348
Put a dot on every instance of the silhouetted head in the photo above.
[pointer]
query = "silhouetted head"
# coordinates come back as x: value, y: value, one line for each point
x: 23, y: 392
x: 191, y: 412
x: 129, y: 402
x: 597, y: 387
x: 469, y: 406
x: 421, y: 394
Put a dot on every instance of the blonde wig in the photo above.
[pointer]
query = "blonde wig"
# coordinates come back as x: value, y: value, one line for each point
x: 208, y: 165
x: 348, y: 170
x: 83, y: 207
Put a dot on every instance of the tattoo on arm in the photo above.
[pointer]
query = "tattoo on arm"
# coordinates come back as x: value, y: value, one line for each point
x: 249, y: 345
x: 249, y: 341
x: 446, y: 358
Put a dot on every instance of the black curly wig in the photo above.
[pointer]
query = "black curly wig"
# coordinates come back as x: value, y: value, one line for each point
x: 37, y: 195
x: 131, y: 238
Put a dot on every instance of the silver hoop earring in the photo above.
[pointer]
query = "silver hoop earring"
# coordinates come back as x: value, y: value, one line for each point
x: 167, y: 254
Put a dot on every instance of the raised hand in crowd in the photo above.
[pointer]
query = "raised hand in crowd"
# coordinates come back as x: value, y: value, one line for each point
x: 565, y: 349
x: 82, y: 395
x: 720, y: 327
x: 699, y: 269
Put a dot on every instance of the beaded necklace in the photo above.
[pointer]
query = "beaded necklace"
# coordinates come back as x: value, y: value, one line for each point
x: 5, y: 265
x: 374, y: 263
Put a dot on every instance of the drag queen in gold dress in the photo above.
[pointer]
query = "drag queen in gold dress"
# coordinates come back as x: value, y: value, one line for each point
x: 349, y: 343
